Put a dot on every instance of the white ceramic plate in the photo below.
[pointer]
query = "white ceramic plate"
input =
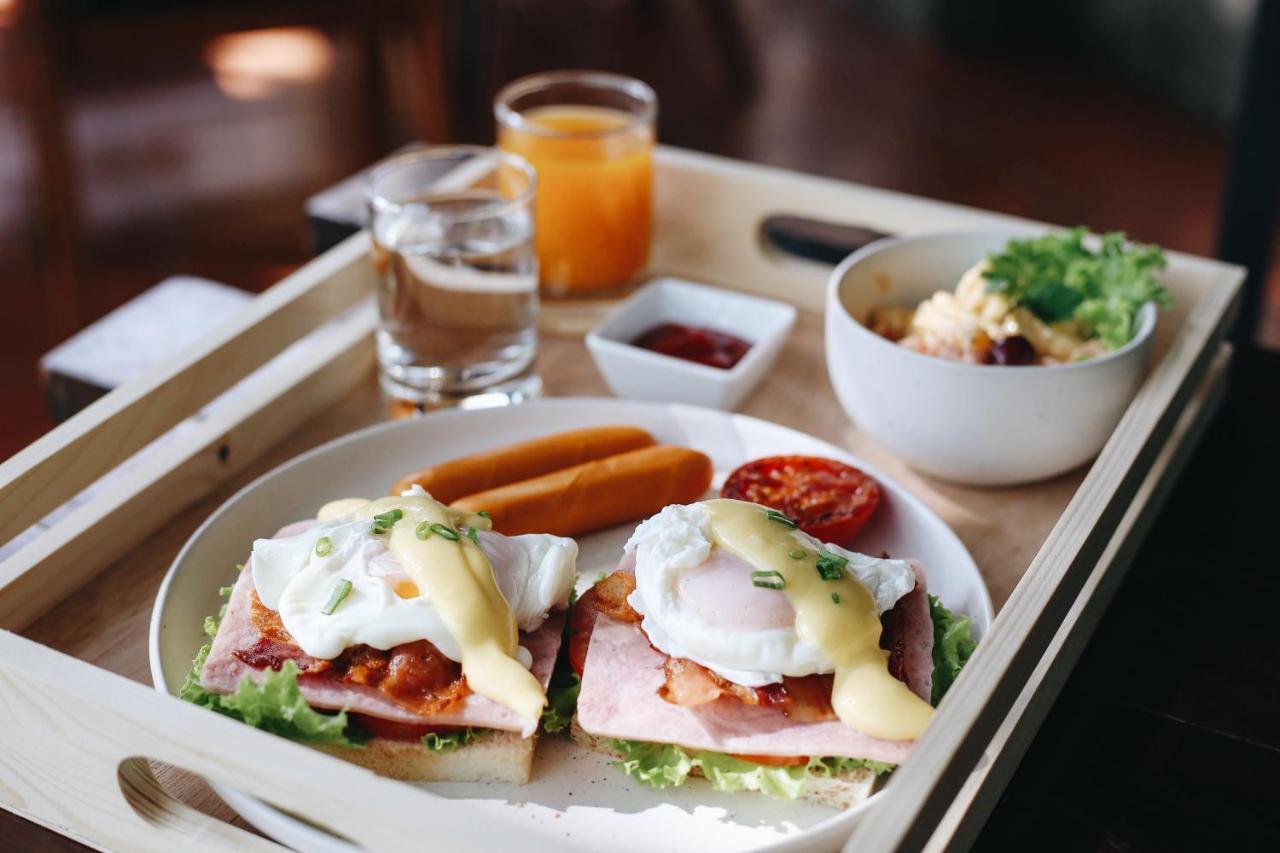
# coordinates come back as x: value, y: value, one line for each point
x: 575, y: 796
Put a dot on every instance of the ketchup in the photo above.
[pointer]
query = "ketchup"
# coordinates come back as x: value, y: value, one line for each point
x: 694, y: 343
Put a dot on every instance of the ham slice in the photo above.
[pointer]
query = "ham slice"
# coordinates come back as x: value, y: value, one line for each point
x: 223, y: 671
x: 625, y: 679
x: 917, y: 636
x: 619, y: 699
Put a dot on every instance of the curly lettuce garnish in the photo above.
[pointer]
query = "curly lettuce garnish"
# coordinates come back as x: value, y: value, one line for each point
x: 662, y: 765
x: 452, y: 740
x: 275, y: 704
x: 1057, y: 278
x: 565, y: 684
x: 953, y: 643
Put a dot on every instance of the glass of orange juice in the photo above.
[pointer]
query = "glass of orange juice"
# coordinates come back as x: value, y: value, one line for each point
x: 590, y: 137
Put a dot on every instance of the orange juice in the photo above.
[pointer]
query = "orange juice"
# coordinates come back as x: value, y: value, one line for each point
x: 594, y: 198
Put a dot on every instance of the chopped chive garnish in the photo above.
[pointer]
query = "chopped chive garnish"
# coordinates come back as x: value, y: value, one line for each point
x: 239, y: 567
x: 385, y: 521
x: 484, y: 513
x: 471, y: 534
x: 423, y: 530
x: 340, y: 593
x: 833, y: 558
x: 835, y: 597
x: 768, y: 580
x: 224, y: 591
x: 796, y: 554
x: 444, y: 530
x: 324, y: 546
x: 831, y: 566
x: 781, y: 518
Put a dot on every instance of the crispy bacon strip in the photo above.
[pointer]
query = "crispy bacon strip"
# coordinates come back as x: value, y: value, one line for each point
x: 805, y: 699
x: 414, y: 675
x: 690, y: 684
x: 808, y: 698
x: 893, y: 639
x: 274, y: 645
x: 609, y: 597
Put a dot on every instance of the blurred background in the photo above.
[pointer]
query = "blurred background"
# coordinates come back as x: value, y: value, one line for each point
x: 145, y: 138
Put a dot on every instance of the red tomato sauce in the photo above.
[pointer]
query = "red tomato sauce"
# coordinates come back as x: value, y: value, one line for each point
x: 694, y: 343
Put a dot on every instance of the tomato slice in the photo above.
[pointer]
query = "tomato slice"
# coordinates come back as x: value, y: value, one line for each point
x: 393, y: 730
x: 830, y: 500
x: 773, y: 760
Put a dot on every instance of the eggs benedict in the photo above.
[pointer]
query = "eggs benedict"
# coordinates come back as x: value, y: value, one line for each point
x: 733, y: 645
x: 426, y: 629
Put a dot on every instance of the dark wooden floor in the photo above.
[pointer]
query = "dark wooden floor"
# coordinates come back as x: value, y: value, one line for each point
x: 1167, y: 736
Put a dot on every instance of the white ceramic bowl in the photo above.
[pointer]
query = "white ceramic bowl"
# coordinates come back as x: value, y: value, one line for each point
x: 974, y: 424
x: 641, y: 374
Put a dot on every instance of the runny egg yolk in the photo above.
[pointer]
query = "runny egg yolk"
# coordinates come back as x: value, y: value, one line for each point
x: 837, y: 615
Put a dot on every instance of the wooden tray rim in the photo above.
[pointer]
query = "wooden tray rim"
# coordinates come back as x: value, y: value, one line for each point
x: 76, y: 699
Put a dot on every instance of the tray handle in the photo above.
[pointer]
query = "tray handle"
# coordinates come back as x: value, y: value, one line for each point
x: 815, y: 239
x: 172, y: 824
x: 74, y: 750
x: 733, y: 224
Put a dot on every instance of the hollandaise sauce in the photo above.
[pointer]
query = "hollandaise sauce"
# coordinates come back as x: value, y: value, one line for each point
x: 463, y: 590
x: 834, y: 612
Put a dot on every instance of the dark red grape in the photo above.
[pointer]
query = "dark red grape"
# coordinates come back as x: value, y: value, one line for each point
x: 1012, y: 351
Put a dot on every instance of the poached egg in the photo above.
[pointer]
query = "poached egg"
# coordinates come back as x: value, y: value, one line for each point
x: 385, y: 608
x: 698, y: 600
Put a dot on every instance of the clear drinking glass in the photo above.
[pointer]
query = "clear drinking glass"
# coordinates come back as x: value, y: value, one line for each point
x: 457, y: 273
x: 590, y: 135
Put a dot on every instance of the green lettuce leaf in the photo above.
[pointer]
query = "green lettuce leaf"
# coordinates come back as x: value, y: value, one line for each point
x: 658, y: 765
x: 662, y: 765
x: 275, y: 704
x: 565, y: 684
x: 1058, y: 278
x: 562, y: 699
x: 192, y: 690
x: 733, y: 774
x: 953, y: 643
x: 451, y: 741
x: 835, y: 765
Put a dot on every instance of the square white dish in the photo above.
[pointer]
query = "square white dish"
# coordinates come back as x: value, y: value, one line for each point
x: 641, y: 374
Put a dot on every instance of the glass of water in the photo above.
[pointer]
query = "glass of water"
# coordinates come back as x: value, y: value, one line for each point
x: 457, y: 274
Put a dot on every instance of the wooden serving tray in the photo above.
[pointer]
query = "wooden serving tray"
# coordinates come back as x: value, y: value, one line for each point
x: 83, y: 732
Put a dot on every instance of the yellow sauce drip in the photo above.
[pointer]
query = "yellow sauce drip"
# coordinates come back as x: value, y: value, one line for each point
x: 864, y: 695
x: 463, y: 591
x: 339, y: 508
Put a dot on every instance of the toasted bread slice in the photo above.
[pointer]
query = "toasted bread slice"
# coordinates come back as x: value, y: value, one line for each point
x: 495, y: 756
x: 843, y: 791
